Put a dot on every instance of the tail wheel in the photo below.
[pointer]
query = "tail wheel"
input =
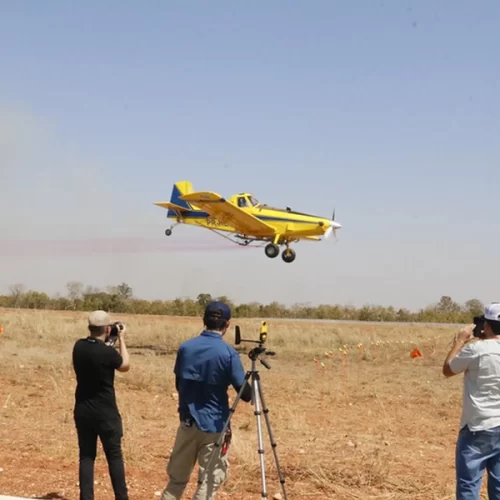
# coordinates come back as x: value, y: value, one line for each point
x: 168, y: 232
x: 272, y: 250
x: 288, y: 255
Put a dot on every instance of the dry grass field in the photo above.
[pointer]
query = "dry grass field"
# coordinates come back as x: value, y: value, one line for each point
x: 354, y: 416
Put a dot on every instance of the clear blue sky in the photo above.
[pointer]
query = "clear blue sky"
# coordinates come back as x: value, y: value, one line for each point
x: 387, y: 110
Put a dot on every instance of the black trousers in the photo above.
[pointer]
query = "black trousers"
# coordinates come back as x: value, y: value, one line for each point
x: 110, y: 433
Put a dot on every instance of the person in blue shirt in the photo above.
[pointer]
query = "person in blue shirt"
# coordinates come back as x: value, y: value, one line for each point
x: 204, y: 369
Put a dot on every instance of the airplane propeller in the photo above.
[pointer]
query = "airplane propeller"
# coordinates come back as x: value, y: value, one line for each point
x: 333, y: 227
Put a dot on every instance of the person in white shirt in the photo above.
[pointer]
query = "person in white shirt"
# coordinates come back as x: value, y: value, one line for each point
x: 478, y: 443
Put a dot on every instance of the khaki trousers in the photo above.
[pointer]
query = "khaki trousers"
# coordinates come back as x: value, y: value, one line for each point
x: 192, y: 445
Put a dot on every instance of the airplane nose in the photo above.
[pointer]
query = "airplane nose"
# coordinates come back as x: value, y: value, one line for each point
x: 332, y: 227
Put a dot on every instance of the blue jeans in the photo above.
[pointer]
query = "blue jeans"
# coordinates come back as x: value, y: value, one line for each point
x: 476, y: 452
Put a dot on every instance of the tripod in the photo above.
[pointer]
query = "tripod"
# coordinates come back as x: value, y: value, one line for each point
x: 259, y: 402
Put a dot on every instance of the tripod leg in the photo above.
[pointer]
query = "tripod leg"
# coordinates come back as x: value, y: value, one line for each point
x: 271, y: 437
x: 257, y: 412
x: 226, y: 425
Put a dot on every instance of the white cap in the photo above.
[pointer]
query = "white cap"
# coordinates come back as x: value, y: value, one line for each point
x: 99, y: 318
x: 492, y: 311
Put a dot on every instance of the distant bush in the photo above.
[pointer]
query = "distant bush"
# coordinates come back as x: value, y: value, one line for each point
x: 120, y: 299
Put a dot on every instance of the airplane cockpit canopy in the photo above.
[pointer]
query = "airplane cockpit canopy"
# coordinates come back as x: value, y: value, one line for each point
x: 247, y: 200
x: 252, y: 200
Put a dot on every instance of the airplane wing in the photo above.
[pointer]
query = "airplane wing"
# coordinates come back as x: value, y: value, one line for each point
x: 226, y: 212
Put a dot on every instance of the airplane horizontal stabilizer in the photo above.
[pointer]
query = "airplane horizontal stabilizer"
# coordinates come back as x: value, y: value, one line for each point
x: 202, y: 196
x: 171, y: 206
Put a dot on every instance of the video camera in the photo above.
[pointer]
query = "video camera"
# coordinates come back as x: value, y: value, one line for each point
x: 260, y: 349
x: 116, y: 327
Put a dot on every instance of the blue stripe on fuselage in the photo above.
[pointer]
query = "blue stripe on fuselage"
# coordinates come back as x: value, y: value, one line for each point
x: 285, y: 219
x: 193, y: 214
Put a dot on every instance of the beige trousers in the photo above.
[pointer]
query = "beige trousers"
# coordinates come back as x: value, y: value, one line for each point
x: 193, y: 445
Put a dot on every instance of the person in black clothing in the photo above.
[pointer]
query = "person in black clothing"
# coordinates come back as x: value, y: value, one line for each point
x: 96, y: 412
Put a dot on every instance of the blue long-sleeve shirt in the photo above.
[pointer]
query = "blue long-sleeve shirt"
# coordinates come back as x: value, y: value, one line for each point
x: 205, y: 367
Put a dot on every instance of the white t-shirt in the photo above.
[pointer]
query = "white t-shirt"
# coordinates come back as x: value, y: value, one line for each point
x: 481, y: 397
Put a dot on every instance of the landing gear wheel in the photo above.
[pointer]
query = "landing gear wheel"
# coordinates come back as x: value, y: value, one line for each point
x: 272, y: 250
x: 168, y: 232
x: 288, y: 255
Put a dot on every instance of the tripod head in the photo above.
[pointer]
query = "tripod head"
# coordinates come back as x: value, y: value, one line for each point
x: 260, y: 349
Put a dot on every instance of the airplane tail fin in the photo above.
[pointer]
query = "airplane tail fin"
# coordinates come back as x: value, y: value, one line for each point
x: 176, y: 204
x: 180, y: 188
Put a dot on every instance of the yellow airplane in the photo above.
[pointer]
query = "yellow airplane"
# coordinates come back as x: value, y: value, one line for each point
x: 246, y: 218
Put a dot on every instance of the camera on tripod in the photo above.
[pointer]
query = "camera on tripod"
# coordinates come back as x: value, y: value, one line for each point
x: 260, y: 349
x: 116, y: 327
x: 262, y: 335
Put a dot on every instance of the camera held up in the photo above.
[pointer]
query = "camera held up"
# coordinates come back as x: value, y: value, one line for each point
x: 116, y: 327
x: 478, y: 331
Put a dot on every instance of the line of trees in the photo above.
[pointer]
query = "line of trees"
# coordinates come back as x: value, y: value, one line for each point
x: 120, y: 299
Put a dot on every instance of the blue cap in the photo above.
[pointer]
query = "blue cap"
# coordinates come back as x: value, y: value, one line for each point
x: 217, y: 309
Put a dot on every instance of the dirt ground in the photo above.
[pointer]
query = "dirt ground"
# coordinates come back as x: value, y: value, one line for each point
x: 353, y: 414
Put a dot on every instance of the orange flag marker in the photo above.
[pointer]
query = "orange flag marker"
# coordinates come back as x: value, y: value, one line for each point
x: 415, y: 353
